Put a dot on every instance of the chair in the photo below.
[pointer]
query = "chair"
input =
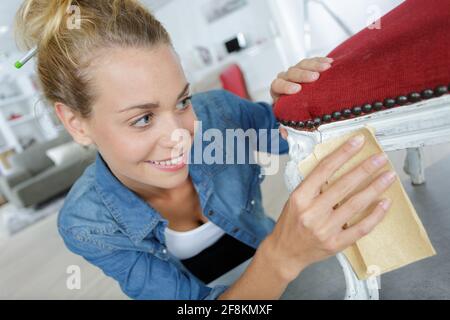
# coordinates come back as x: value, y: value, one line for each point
x: 233, y: 80
x: 396, y: 80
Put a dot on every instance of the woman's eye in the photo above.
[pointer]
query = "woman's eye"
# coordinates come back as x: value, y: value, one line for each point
x: 143, y: 121
x: 184, y: 104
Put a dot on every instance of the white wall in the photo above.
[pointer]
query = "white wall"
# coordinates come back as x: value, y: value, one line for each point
x: 8, y: 9
x: 184, y: 20
x: 288, y: 18
x: 326, y: 33
x: 188, y: 27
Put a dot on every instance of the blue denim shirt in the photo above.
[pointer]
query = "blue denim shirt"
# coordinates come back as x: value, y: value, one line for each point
x: 114, y: 229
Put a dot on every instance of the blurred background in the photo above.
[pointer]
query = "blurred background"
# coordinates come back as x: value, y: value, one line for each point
x: 238, y: 45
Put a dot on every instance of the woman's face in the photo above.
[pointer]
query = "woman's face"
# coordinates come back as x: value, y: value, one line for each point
x: 141, y: 101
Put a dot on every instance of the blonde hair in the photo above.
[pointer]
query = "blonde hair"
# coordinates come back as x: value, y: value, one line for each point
x: 68, y: 33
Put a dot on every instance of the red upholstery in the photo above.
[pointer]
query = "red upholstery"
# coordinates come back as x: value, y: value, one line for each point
x: 233, y: 80
x: 409, y: 54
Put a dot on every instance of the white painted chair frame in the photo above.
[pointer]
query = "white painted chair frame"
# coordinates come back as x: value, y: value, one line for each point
x: 408, y: 127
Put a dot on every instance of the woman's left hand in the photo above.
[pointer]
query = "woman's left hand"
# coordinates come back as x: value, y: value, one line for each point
x: 307, y: 70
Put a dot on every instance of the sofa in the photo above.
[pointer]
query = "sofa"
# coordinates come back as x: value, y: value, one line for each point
x: 37, y: 178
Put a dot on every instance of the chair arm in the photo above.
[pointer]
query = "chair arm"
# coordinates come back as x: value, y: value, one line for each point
x: 15, y: 178
x: 50, y: 182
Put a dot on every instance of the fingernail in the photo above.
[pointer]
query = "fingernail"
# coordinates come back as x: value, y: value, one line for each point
x: 329, y: 59
x: 388, y: 177
x: 293, y: 88
x: 385, y: 204
x: 326, y: 65
x: 315, y: 75
x: 379, y: 159
x: 357, y: 141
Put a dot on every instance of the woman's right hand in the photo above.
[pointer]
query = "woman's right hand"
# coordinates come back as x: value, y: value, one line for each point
x: 310, y: 229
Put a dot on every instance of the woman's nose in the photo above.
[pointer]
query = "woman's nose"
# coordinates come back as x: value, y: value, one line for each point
x: 173, y: 133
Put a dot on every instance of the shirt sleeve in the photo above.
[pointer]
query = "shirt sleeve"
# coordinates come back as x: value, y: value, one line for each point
x: 255, y: 115
x: 141, y: 275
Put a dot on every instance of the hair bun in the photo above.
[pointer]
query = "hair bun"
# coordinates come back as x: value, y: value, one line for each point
x: 38, y: 21
x: 70, y: 38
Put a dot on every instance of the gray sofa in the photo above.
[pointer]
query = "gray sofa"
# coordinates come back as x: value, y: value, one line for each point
x: 37, y: 179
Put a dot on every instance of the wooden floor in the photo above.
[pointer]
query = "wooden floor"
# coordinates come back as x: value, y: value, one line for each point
x: 33, y: 263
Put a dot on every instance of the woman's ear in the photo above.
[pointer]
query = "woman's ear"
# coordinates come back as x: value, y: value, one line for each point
x: 74, y: 124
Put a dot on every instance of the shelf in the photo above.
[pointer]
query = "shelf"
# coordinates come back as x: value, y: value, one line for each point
x: 5, y: 148
x: 248, y: 53
x: 28, y: 126
x: 9, y: 101
x: 21, y: 120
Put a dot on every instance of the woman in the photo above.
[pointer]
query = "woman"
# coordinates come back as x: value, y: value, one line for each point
x: 160, y: 227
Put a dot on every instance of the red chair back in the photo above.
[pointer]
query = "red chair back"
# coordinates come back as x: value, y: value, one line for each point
x: 233, y: 80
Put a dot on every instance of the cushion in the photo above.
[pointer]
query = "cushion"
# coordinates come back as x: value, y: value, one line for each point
x: 405, y: 61
x: 65, y: 152
x: 34, y: 159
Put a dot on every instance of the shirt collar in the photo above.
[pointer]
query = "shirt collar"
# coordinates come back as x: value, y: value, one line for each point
x: 132, y: 213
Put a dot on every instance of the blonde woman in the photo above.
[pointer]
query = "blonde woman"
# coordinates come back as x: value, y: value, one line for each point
x: 161, y: 226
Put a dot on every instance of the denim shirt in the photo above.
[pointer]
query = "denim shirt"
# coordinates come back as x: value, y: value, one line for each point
x: 114, y: 229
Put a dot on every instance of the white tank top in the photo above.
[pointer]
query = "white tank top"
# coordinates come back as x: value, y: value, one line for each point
x: 186, y: 244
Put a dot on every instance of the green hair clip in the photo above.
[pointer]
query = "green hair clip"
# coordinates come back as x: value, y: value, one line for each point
x: 20, y: 63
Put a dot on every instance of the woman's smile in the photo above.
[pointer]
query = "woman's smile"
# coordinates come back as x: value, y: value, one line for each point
x: 170, y: 165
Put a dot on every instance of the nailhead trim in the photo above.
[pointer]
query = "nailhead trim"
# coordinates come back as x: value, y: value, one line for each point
x: 414, y: 97
x: 377, y: 106
x: 402, y: 100
x: 327, y: 118
x: 337, y: 115
x: 347, y: 113
x: 309, y: 124
x: 427, y: 94
x: 357, y: 111
x: 389, y: 103
x: 441, y: 90
x: 368, y: 108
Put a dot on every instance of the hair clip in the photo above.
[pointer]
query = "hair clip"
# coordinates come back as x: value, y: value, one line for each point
x: 19, y: 64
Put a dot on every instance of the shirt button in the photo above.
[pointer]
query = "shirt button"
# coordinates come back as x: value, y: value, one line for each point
x: 252, y: 202
x: 211, y: 212
x: 260, y: 176
x: 164, y: 251
x: 235, y: 230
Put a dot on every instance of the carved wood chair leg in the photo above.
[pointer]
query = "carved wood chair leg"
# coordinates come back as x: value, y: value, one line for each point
x: 410, y: 127
x: 414, y: 165
x: 358, y: 289
x: 355, y: 289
